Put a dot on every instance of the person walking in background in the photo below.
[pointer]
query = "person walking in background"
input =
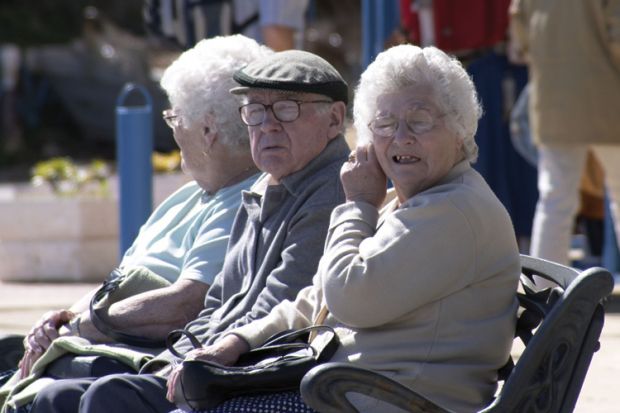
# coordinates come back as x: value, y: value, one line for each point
x: 279, y: 24
x: 572, y: 48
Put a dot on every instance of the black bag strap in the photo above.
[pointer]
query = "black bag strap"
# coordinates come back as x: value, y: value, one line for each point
x: 280, y: 343
x: 289, y: 336
x: 175, y: 335
x: 98, y: 315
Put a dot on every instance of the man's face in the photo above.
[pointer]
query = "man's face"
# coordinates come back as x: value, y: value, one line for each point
x: 281, y: 148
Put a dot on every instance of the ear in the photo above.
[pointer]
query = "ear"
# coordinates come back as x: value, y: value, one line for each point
x: 460, y: 148
x: 209, y: 131
x: 336, y: 119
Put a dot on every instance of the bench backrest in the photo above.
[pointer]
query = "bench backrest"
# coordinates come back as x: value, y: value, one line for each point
x: 560, y: 327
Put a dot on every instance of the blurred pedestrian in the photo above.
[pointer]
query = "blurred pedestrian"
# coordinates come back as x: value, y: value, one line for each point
x: 572, y: 48
x: 278, y: 24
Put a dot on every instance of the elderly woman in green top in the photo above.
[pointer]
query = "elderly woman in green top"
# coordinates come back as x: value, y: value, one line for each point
x: 422, y: 290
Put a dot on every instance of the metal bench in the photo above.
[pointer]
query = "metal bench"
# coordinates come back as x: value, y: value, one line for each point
x: 559, y: 326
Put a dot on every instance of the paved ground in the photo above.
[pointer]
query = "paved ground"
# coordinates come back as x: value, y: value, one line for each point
x: 22, y: 304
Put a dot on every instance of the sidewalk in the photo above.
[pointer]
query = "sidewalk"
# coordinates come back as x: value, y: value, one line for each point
x: 22, y: 304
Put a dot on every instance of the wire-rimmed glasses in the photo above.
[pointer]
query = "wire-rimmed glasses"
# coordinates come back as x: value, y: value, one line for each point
x: 418, y: 121
x: 173, y: 120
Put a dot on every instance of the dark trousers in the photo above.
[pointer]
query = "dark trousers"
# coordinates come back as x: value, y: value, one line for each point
x: 116, y: 393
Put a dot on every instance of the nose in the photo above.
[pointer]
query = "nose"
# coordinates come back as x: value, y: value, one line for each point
x: 270, y: 122
x: 403, y: 134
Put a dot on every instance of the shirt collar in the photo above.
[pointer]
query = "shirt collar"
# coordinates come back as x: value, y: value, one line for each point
x: 457, y: 170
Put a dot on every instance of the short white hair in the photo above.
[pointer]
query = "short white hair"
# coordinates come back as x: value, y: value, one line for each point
x: 198, y: 83
x: 405, y: 65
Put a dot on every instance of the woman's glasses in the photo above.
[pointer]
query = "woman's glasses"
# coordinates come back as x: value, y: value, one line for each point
x: 418, y: 121
x: 172, y: 119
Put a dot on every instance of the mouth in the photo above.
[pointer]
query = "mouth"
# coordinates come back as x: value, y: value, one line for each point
x: 271, y: 148
x: 405, y: 159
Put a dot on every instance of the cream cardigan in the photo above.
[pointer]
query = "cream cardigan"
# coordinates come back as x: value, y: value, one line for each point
x: 424, y: 294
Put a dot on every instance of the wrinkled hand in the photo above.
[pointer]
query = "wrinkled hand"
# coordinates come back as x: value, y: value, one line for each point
x: 225, y: 352
x: 362, y: 177
x: 41, y: 336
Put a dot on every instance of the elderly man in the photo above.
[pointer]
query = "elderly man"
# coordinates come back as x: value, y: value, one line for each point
x: 185, y: 238
x: 294, y: 104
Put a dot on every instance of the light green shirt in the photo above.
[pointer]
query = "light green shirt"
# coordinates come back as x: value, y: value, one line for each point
x: 186, y: 236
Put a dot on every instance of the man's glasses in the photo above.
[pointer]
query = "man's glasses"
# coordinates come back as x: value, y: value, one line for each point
x: 418, y: 121
x: 172, y: 119
x: 253, y: 114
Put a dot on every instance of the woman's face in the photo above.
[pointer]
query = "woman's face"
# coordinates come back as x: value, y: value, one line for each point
x: 422, y: 150
x: 193, y: 146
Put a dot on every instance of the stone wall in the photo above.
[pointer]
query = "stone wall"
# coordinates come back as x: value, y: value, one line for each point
x: 44, y: 237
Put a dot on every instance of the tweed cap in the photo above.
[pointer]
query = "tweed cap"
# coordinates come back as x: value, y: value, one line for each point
x: 295, y: 71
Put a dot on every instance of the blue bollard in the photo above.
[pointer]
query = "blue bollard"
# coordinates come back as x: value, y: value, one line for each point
x: 134, y: 148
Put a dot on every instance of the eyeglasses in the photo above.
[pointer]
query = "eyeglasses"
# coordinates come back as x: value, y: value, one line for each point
x: 253, y: 114
x: 172, y: 119
x: 418, y: 121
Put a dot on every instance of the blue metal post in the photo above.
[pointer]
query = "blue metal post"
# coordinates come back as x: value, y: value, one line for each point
x: 380, y: 27
x: 391, y: 19
x: 379, y: 19
x: 134, y: 147
x: 368, y: 33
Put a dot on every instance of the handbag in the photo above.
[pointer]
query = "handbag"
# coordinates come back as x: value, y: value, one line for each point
x: 117, y: 287
x: 277, y: 365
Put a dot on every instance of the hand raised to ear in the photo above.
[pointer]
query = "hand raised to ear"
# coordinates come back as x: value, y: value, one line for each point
x: 362, y: 177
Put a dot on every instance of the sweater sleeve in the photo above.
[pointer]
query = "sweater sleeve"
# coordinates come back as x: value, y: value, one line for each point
x: 418, y: 255
x: 286, y: 315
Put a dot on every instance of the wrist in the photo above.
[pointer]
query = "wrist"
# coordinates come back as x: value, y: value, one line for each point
x: 73, y: 326
x: 237, y: 343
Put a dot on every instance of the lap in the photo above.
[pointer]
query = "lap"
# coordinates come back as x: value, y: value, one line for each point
x: 285, y: 402
x: 127, y: 393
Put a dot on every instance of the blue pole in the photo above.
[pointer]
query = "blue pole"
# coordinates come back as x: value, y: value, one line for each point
x: 379, y: 19
x: 391, y: 19
x: 380, y: 27
x: 134, y: 146
x: 368, y: 33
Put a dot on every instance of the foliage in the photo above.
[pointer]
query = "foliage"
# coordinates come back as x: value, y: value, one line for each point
x: 166, y: 162
x: 66, y: 178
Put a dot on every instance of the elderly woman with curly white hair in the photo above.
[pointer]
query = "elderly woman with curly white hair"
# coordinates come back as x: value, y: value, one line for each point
x: 423, y: 290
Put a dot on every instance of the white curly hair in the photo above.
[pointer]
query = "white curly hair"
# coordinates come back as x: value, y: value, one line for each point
x: 405, y: 65
x: 198, y: 83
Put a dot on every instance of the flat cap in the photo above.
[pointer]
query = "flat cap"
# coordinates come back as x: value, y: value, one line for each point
x: 293, y: 70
